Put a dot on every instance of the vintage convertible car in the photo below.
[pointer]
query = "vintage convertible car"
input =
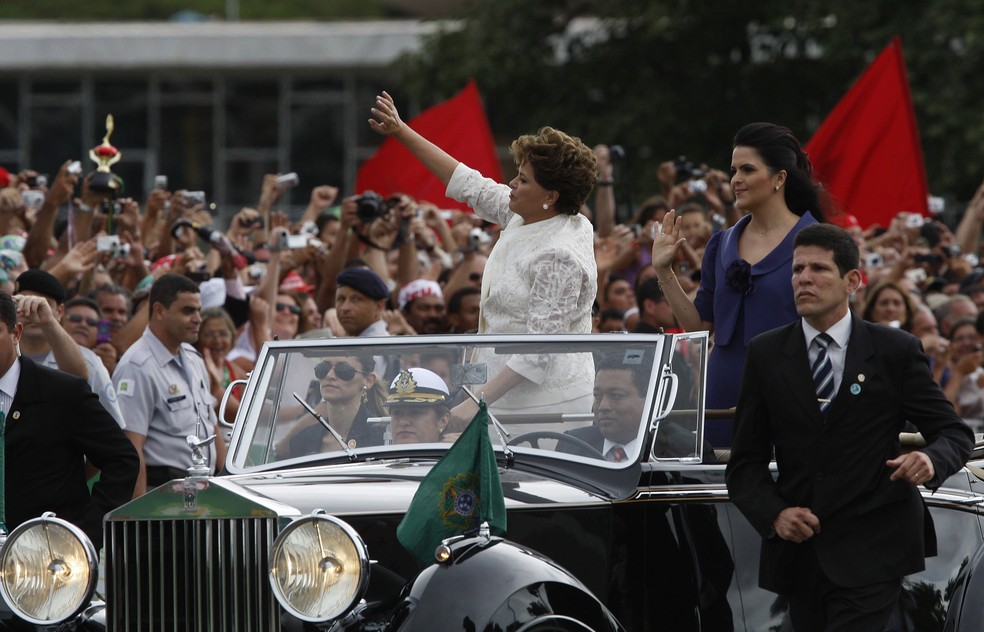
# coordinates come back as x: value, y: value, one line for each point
x: 299, y: 531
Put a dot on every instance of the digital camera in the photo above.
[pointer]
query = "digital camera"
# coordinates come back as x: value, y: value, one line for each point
x: 371, y: 206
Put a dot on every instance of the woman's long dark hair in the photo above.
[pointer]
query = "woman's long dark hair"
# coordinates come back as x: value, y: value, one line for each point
x: 780, y: 150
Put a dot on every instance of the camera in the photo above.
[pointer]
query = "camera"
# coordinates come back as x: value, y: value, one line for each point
x: 74, y: 168
x: 914, y: 221
x: 928, y: 257
x: 616, y: 152
x: 288, y: 180
x: 697, y: 186
x: 111, y: 244
x: 194, y: 198
x: 256, y: 222
x: 873, y: 260
x: 33, y: 199
x: 478, y: 237
x: 40, y: 180
x: 686, y: 170
x: 160, y: 182
x: 371, y: 206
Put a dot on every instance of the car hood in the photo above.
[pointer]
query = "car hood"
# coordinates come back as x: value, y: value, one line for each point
x: 386, y: 488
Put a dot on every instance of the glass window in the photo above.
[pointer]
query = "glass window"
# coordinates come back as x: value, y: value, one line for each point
x: 679, y: 434
x: 317, y: 148
x: 56, y: 136
x: 245, y: 178
x: 127, y: 102
x: 251, y: 114
x: 186, y: 147
x: 8, y: 114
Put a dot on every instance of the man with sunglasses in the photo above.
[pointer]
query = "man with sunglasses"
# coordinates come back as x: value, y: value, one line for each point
x: 40, y: 300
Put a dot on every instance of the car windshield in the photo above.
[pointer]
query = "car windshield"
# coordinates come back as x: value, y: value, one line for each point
x: 569, y: 397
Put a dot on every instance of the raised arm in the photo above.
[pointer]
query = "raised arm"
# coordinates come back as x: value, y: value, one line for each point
x: 388, y: 123
x: 665, y: 246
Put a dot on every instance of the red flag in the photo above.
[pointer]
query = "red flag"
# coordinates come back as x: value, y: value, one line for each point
x: 867, y: 150
x: 459, y: 127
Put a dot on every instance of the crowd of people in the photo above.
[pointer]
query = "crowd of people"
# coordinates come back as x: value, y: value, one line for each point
x: 160, y: 308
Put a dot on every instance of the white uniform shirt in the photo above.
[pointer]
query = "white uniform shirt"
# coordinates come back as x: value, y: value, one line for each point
x: 165, y: 398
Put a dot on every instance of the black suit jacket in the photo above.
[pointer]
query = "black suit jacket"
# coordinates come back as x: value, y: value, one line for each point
x: 53, y: 424
x: 872, y: 529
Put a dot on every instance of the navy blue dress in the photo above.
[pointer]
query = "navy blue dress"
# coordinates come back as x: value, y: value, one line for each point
x: 742, y: 301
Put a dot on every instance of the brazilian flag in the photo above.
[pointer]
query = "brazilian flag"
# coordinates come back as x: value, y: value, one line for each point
x: 460, y: 492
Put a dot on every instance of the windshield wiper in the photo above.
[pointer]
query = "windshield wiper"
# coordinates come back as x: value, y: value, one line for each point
x: 324, y: 422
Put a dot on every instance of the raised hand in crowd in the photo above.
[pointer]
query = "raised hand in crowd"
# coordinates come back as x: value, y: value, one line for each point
x: 322, y: 197
x: 77, y: 261
x: 396, y: 324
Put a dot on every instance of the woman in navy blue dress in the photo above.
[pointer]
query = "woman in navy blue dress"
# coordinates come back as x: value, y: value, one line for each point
x: 745, y: 286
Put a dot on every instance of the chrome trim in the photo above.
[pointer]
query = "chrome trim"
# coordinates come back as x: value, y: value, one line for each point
x: 190, y: 575
x: 716, y: 493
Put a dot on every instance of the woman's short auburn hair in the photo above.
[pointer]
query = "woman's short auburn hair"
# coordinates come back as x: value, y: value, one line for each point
x: 560, y: 163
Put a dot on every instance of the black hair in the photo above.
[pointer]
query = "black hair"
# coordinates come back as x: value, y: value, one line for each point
x: 832, y: 238
x: 617, y: 362
x: 165, y: 290
x: 780, y: 150
x: 611, y: 313
x: 81, y: 300
x: 8, y: 310
x: 454, y: 303
x: 648, y: 289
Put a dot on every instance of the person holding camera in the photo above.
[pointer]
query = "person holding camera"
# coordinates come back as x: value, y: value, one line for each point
x: 541, y: 275
x: 745, y: 286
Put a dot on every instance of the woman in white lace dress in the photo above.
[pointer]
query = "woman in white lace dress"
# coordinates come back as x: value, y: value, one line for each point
x: 541, y: 276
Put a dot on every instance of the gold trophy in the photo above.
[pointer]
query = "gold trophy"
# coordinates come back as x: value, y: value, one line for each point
x: 105, y: 156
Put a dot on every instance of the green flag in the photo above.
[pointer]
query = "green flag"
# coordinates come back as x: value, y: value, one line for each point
x: 459, y: 493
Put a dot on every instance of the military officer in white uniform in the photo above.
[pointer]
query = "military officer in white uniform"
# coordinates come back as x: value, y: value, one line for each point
x: 162, y: 387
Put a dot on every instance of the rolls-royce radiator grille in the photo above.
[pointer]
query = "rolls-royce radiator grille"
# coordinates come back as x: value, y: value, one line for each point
x: 190, y: 576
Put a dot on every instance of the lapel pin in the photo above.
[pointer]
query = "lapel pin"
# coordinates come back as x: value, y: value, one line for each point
x: 172, y: 389
x: 855, y: 388
x: 16, y: 414
x: 861, y: 377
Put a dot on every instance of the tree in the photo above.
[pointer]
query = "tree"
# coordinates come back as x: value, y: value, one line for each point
x: 669, y: 77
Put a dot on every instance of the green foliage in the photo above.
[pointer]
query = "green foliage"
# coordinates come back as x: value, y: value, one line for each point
x: 680, y: 76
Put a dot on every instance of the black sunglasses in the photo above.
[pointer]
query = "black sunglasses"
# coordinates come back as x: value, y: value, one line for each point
x: 78, y: 318
x: 293, y: 309
x: 343, y: 371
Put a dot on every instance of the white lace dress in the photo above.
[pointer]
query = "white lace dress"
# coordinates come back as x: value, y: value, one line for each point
x: 539, y: 278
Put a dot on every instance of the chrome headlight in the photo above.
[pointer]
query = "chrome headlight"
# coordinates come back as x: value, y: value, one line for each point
x: 47, y: 570
x: 319, y: 568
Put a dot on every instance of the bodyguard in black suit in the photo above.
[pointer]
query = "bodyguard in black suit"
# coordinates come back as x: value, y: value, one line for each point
x: 53, y: 423
x: 844, y: 521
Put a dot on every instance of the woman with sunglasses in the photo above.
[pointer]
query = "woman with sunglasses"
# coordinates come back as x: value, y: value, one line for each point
x: 215, y: 338
x: 286, y: 317
x: 541, y: 275
x: 350, y: 394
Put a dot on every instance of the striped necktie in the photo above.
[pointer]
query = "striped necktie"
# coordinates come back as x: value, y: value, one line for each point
x: 823, y: 372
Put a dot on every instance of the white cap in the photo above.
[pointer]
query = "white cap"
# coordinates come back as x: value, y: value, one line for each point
x: 417, y: 386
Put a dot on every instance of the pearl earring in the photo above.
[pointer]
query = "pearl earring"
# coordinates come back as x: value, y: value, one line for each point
x: 777, y: 188
x: 545, y: 206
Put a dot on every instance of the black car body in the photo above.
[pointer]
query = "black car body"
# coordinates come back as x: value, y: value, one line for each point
x: 650, y: 543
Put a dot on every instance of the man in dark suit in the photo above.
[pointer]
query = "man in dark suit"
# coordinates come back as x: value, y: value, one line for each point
x: 844, y: 521
x: 53, y: 422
